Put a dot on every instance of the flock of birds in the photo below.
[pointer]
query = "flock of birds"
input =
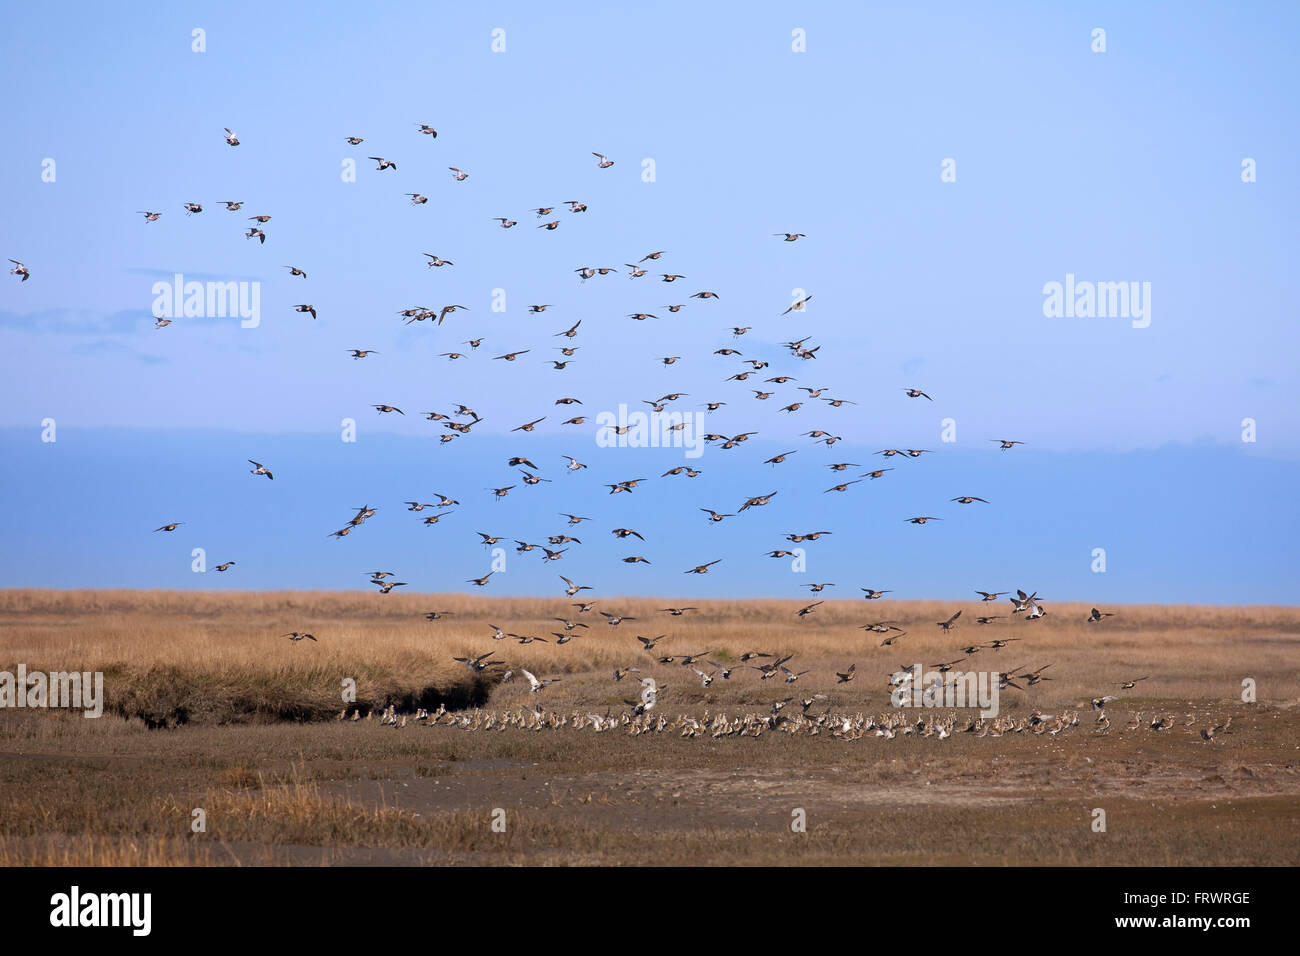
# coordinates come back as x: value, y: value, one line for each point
x: 460, y: 420
x: 842, y: 726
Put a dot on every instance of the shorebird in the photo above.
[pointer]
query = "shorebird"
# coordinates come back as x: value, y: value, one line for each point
x: 428, y: 130
x: 1006, y: 444
x: 917, y: 393
x: 1022, y: 602
x: 354, y: 140
x: 480, y: 582
x: 1097, y: 616
x: 447, y: 310
x: 949, y: 624
x: 535, y: 685
x: 255, y: 233
x: 989, y: 595
x: 436, y: 262
x: 192, y: 207
x: 169, y: 527
x: 604, y: 163
x: 790, y: 236
x: 613, y: 620
x: 845, y: 676
x: 873, y: 595
x: 678, y: 611
x: 967, y: 499
x: 260, y: 469
x: 922, y: 519
x: 505, y: 223
x: 573, y: 589
x: 1211, y: 732
x: 385, y: 409
x: 480, y: 663
x: 306, y: 307
x: 232, y: 206
x: 702, y: 568
x: 873, y: 475
x: 295, y: 271
x: 383, y: 163
x: 799, y: 305
x: 224, y: 567
x: 388, y: 586
x: 1130, y: 684
x: 149, y: 216
x: 1034, y: 677
x: 299, y: 636
x: 758, y: 501
x: 458, y: 175
x: 231, y: 138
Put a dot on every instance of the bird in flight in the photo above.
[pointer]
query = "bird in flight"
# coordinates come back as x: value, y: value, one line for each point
x: 260, y: 469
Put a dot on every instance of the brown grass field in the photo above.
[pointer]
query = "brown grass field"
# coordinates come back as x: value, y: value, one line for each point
x: 208, y: 706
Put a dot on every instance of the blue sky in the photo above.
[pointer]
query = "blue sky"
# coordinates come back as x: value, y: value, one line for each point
x: 1115, y: 166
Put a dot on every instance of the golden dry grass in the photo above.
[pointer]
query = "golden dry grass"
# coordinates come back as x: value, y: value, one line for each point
x: 220, y: 657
